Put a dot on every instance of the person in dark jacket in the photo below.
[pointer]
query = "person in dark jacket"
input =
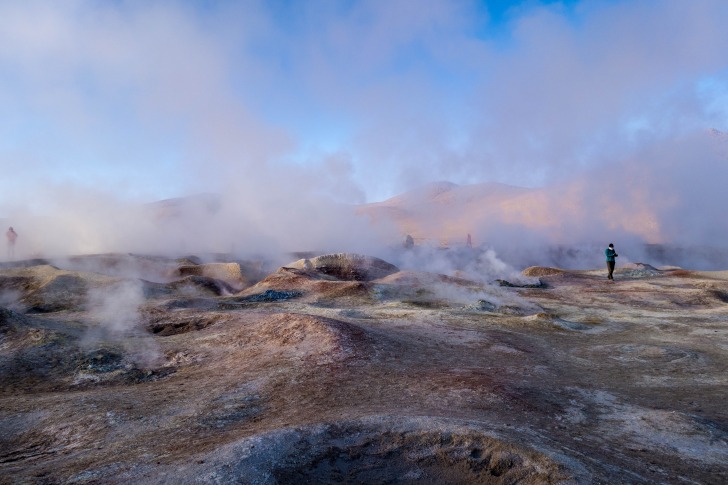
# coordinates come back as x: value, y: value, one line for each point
x: 611, y: 254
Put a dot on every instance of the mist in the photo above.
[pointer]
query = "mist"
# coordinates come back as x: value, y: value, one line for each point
x: 116, y: 309
x: 291, y: 115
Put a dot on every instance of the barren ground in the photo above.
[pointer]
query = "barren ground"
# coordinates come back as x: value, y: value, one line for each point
x: 122, y: 369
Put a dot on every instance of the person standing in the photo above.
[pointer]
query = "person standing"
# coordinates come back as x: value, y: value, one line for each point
x: 611, y: 255
x: 12, y: 236
x: 409, y: 242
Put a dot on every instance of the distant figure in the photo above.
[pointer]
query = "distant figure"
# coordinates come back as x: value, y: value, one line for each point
x: 409, y: 242
x: 12, y: 236
x: 611, y: 254
x: 469, y: 242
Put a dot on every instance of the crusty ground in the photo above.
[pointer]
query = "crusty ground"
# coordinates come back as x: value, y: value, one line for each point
x: 582, y: 381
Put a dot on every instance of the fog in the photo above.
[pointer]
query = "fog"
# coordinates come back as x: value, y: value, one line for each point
x: 288, y: 116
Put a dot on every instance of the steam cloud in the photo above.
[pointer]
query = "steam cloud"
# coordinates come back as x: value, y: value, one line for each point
x: 292, y: 113
x: 116, y: 309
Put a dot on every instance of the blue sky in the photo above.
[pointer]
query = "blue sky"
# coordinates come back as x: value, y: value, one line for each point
x: 364, y: 99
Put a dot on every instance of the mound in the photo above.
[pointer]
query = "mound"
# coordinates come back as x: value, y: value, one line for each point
x: 639, y: 270
x: 288, y: 279
x: 541, y: 271
x: 313, y: 286
x: 324, y: 340
x: 325, y: 290
x: 347, y: 266
x: 418, y: 278
x: 45, y: 288
x: 189, y: 286
x: 229, y: 273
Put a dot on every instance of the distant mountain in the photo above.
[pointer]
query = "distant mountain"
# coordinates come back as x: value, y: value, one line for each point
x: 204, y: 203
x: 446, y: 212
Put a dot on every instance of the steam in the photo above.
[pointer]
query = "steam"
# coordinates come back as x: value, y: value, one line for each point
x: 480, y: 265
x: 293, y: 114
x: 476, y: 264
x: 10, y: 299
x: 116, y: 309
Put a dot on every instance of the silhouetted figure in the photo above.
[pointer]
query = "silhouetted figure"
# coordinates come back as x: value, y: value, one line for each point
x: 469, y: 242
x: 409, y: 242
x: 611, y: 254
x: 12, y: 237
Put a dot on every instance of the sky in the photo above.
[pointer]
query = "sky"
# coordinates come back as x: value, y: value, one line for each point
x: 282, y: 105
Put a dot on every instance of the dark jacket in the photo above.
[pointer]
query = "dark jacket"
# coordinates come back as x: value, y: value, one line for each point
x: 611, y: 254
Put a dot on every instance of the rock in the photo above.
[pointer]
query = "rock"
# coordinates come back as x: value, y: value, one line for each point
x: 542, y: 271
x: 639, y: 270
x: 508, y: 284
x: 269, y: 296
x: 347, y: 266
x: 227, y: 272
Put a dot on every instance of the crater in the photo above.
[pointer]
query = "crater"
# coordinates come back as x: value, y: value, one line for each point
x: 379, y: 450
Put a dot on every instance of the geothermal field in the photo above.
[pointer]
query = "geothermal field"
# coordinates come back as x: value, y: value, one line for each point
x: 344, y: 368
x: 363, y: 242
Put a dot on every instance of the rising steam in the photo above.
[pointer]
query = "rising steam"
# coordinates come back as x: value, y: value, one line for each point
x: 116, y: 308
x: 293, y: 114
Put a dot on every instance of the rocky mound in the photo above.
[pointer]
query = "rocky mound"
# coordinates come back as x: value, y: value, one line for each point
x: 311, y: 286
x: 288, y: 279
x: 323, y: 340
x: 188, y: 287
x: 229, y: 273
x: 640, y: 270
x: 45, y: 288
x: 541, y: 271
x: 347, y: 266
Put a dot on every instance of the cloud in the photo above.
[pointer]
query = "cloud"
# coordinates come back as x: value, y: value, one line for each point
x: 570, y: 90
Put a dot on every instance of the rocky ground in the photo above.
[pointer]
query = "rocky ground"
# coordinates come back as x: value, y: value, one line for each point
x: 128, y: 369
